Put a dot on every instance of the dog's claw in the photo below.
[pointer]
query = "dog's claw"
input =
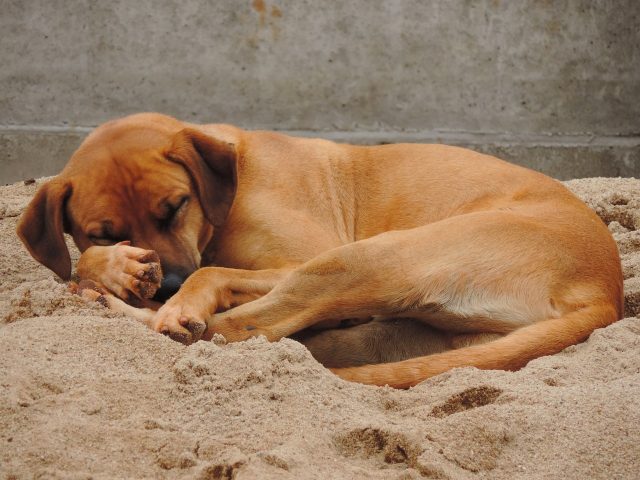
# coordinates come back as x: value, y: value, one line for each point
x: 149, y: 256
x: 181, y: 337
x: 147, y: 290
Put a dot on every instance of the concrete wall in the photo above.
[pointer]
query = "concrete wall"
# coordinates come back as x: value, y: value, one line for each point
x: 553, y: 85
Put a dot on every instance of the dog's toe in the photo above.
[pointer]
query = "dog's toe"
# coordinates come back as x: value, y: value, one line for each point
x: 143, y: 281
x: 196, y: 327
x: 89, y: 291
x: 149, y: 256
x: 149, y: 272
x: 93, y: 295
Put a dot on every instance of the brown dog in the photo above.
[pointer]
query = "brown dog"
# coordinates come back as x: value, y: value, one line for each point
x: 501, y: 263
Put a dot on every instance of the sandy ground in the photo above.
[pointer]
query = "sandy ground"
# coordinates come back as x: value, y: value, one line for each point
x: 85, y: 393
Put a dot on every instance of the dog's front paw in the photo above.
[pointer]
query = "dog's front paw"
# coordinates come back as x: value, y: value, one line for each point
x: 179, y: 322
x: 127, y: 272
x: 141, y: 271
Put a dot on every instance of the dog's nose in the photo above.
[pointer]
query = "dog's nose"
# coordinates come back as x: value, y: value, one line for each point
x: 169, y: 286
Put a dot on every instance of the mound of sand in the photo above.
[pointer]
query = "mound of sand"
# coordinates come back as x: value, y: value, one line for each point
x: 86, y: 393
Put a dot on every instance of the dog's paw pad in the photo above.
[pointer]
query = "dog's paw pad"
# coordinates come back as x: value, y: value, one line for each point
x: 150, y: 272
x: 144, y: 289
x: 180, y: 337
x: 195, y: 327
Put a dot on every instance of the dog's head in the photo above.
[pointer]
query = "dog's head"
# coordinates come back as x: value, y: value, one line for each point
x: 145, y: 179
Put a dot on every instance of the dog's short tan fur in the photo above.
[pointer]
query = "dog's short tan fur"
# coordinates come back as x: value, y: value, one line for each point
x: 501, y: 263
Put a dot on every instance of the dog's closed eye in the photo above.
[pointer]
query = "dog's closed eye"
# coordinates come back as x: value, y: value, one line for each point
x: 102, y: 240
x: 172, y: 208
x: 104, y: 233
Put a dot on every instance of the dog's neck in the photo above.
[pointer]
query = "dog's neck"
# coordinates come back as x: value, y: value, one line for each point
x: 328, y: 179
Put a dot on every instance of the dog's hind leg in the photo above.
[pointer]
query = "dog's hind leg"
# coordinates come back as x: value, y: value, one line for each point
x: 377, y: 341
x: 510, y: 352
x: 474, y: 273
x: 486, y: 272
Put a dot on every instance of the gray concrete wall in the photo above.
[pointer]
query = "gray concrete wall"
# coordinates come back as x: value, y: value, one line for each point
x: 552, y: 85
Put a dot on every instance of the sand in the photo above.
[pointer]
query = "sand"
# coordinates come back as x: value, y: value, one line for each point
x: 86, y: 393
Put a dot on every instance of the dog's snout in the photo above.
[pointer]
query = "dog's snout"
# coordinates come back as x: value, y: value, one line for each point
x: 170, y: 285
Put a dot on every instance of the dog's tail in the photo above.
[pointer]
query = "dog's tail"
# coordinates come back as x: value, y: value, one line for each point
x: 511, y: 352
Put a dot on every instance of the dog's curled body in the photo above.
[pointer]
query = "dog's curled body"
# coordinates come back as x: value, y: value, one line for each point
x: 502, y: 264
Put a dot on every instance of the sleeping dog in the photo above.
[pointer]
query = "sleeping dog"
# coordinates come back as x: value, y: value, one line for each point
x: 247, y: 233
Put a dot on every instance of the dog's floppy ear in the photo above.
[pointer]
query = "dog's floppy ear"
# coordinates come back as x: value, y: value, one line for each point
x: 211, y: 164
x: 41, y: 227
